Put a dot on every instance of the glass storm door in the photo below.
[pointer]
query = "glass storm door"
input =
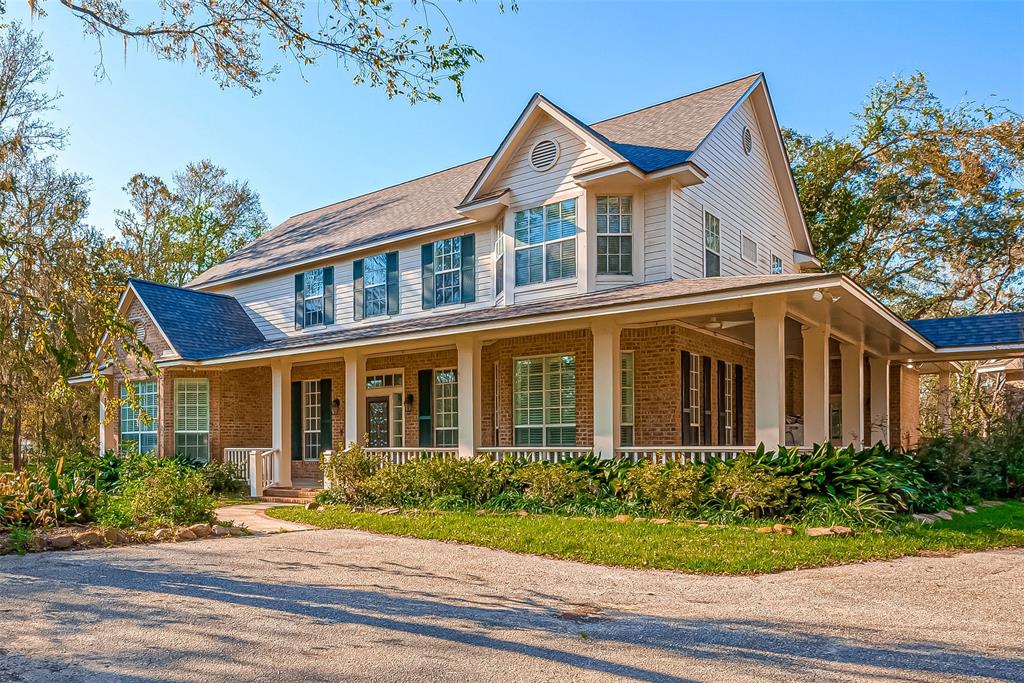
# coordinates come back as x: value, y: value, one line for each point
x: 378, y: 422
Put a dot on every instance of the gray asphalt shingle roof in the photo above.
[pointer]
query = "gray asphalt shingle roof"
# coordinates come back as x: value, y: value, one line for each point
x: 652, y: 138
x: 973, y: 330
x: 199, y: 325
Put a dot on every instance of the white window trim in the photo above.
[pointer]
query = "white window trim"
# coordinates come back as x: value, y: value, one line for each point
x: 771, y: 262
x: 544, y: 425
x: 306, y: 299
x: 696, y: 389
x: 201, y: 381
x: 457, y: 270
x: 152, y: 427
x: 396, y: 437
x: 543, y: 245
x: 744, y: 235
x: 704, y: 213
x: 632, y: 394
x: 632, y: 234
x: 313, y: 418
x: 729, y: 409
x: 383, y: 286
x: 384, y: 390
x: 436, y: 412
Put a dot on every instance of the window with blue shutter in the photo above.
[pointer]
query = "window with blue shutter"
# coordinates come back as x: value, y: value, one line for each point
x: 452, y: 271
x: 314, y: 298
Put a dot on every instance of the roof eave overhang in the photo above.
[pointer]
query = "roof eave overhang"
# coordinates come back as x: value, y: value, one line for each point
x: 486, y: 209
x: 686, y: 174
x: 806, y: 262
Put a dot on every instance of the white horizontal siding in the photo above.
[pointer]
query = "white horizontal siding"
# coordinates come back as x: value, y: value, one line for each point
x: 655, y: 234
x: 552, y: 290
x: 742, y: 192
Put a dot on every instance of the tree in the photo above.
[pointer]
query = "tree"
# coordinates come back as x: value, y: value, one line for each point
x: 399, y: 52
x: 173, y: 234
x: 920, y: 203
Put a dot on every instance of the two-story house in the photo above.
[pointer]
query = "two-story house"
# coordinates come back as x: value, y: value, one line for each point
x: 642, y: 286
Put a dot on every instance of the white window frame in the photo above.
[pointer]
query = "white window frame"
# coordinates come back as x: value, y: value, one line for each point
x: 312, y: 403
x: 446, y: 407
x: 729, y: 409
x: 313, y: 318
x: 186, y: 388
x: 499, y: 264
x: 397, y: 419
x: 448, y: 265
x: 627, y: 398
x: 708, y: 217
x: 147, y: 395
x: 382, y: 286
x: 625, y: 231
x: 546, y: 407
x: 546, y: 243
x: 774, y: 258
x: 744, y: 239
x: 696, y: 389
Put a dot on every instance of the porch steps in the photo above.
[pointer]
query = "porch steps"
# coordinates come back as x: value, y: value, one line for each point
x: 292, y: 494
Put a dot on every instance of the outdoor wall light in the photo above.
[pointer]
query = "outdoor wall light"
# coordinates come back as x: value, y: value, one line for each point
x: 408, y: 401
x: 335, y: 406
x: 817, y: 295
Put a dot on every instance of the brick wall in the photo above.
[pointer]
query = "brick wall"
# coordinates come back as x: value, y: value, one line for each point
x: 904, y: 407
x: 410, y: 364
x: 794, y: 386
x: 245, y: 397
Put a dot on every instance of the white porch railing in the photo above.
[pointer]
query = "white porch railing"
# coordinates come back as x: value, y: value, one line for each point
x: 664, y: 454
x: 399, y: 456
x: 260, y: 467
x: 534, y: 453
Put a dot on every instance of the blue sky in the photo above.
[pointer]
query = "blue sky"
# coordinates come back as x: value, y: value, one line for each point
x: 312, y: 138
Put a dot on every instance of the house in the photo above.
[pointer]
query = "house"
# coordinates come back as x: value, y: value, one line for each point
x: 644, y: 286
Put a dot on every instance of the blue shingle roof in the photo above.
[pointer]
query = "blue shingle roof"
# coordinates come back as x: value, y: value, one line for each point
x: 973, y: 330
x: 199, y: 325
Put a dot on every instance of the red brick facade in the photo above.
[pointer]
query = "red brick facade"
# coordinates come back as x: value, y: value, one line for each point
x: 410, y: 364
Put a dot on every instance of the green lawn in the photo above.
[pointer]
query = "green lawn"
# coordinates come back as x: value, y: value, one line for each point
x: 687, y: 548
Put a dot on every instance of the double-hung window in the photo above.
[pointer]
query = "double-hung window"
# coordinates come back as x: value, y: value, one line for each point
x: 729, y: 409
x: 313, y: 296
x: 499, y: 264
x: 696, y: 385
x: 138, y: 425
x: 544, y: 401
x: 627, y: 399
x: 192, y: 418
x: 712, y: 246
x: 375, y: 285
x: 448, y: 271
x: 311, y: 412
x: 446, y: 408
x: 615, y: 235
x: 545, y: 243
x: 777, y: 267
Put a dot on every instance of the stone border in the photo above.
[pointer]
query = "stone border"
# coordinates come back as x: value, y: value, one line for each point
x: 83, y: 537
x: 948, y: 513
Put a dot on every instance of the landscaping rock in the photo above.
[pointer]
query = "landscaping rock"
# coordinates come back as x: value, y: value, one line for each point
x: 819, y: 531
x: 522, y: 513
x: 200, y: 530
x: 88, y: 539
x: 660, y: 520
x: 185, y: 535
x: 942, y: 514
x: 640, y: 519
x: 388, y: 511
x: 955, y: 511
x: 782, y: 529
x: 842, y: 531
x: 236, y: 530
x: 115, y: 537
x: 311, y: 505
x: 970, y: 508
x: 163, y: 534
x: 924, y: 519
x: 764, y: 530
x: 990, y: 503
x: 701, y: 525
x: 621, y: 518
x: 60, y: 542
x: 219, y: 531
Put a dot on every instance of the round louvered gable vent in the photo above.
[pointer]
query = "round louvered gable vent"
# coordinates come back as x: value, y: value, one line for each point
x: 544, y: 155
x: 748, y: 141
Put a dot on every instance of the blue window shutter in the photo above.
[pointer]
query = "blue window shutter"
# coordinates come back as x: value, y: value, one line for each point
x: 426, y: 408
x: 296, y: 420
x: 357, y: 289
x: 326, y: 418
x: 328, y: 295
x: 468, y: 268
x: 300, y: 300
x: 393, y: 301
x: 427, y: 261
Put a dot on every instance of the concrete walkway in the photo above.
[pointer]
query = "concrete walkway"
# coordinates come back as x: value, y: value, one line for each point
x: 339, y: 605
x: 253, y: 517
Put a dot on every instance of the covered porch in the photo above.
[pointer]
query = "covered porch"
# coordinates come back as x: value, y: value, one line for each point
x: 694, y: 377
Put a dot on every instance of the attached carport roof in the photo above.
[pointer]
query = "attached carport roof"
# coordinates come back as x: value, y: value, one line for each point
x: 973, y: 330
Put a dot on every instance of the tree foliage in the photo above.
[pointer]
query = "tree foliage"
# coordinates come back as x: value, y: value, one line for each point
x: 411, y: 53
x: 921, y: 203
x: 172, y: 234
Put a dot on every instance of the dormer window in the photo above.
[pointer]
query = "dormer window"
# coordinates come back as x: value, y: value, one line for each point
x: 314, y: 298
x: 546, y: 243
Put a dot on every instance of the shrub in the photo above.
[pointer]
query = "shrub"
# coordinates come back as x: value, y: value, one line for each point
x: 672, y: 489
x: 347, y: 470
x: 421, y: 482
x: 38, y: 498
x: 553, y: 484
x: 863, y: 510
x: 169, y: 495
x: 745, y: 489
x: 223, y: 478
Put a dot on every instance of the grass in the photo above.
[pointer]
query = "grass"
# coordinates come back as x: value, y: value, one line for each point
x: 680, y: 547
x: 225, y: 501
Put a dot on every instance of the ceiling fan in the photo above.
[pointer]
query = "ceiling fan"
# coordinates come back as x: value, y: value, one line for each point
x: 716, y: 324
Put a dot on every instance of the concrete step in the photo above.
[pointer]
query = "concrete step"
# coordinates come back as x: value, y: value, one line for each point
x: 293, y: 492
x: 285, y: 499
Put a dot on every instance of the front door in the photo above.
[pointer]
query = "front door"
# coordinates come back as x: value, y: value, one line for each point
x: 378, y: 422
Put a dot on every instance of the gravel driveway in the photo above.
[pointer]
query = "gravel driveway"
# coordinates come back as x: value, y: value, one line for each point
x: 348, y: 605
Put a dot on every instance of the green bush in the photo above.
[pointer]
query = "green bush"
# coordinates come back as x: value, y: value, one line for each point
x: 40, y: 498
x: 672, y: 489
x: 745, y: 488
x: 462, y: 483
x: 223, y: 478
x: 348, y: 471
x: 862, y: 510
x: 169, y: 495
x: 554, y: 484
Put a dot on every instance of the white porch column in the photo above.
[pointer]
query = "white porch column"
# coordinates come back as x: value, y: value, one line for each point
x: 281, y: 412
x: 945, y: 417
x: 770, y: 372
x: 607, y: 380
x: 103, y: 422
x: 879, y: 399
x: 355, y: 396
x: 852, y: 359
x: 470, y: 397
x: 816, y: 384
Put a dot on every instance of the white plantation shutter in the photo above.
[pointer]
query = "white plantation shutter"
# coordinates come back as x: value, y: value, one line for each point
x: 192, y: 418
x: 544, y: 401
